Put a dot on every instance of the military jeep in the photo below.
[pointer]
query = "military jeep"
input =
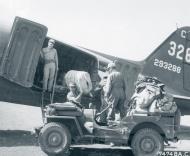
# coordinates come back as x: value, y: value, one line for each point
x: 66, y: 125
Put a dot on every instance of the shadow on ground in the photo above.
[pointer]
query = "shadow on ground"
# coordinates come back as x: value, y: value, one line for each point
x: 16, y: 138
x: 12, y: 138
x: 101, y: 152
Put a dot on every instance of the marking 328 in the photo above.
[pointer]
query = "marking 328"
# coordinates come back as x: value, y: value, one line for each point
x: 167, y: 66
x: 177, y: 51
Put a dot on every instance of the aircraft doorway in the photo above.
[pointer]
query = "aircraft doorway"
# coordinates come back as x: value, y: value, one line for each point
x: 69, y: 58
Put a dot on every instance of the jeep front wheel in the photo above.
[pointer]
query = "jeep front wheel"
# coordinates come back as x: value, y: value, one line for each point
x: 54, y: 138
x: 147, y: 142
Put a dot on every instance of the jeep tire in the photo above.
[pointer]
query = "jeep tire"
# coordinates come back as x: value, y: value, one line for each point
x: 54, y: 139
x: 147, y: 142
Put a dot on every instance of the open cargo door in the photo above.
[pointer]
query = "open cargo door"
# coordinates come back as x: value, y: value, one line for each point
x: 22, y: 53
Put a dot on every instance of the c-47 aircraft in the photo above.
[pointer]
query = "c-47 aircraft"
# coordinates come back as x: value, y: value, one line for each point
x: 21, y: 70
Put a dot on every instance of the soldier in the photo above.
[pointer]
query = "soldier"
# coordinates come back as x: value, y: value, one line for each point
x: 114, y: 92
x: 50, y: 58
x: 74, y: 95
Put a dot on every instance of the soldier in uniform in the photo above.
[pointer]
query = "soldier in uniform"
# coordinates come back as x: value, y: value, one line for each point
x: 114, y: 92
x: 74, y: 95
x: 50, y: 59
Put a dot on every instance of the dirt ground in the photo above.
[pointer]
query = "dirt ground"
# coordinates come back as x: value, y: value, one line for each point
x: 16, y: 139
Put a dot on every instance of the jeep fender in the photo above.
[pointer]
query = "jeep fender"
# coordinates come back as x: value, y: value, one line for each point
x: 145, y: 125
x: 72, y: 123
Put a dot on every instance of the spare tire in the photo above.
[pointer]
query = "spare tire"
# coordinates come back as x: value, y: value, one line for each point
x: 54, y: 138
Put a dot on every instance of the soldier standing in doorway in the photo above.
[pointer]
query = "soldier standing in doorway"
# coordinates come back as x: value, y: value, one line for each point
x: 50, y: 58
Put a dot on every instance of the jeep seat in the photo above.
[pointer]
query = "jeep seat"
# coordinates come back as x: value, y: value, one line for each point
x: 89, y: 114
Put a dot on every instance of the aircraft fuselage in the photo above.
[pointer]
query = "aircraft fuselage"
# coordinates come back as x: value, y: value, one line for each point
x: 21, y: 71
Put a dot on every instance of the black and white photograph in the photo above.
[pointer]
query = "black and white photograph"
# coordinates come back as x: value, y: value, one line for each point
x: 94, y: 78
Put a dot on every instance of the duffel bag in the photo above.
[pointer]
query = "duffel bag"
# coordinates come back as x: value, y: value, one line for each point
x: 81, y: 79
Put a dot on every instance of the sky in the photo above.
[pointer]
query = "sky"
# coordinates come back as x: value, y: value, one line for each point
x: 129, y: 29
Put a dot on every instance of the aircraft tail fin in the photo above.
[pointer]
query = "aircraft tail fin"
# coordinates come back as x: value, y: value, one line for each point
x: 171, y: 61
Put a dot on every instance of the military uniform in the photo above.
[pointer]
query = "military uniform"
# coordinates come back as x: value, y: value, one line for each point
x: 50, y: 64
x: 74, y: 95
x: 115, y: 94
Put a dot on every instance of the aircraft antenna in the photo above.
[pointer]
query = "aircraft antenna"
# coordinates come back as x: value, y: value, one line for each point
x: 177, y: 26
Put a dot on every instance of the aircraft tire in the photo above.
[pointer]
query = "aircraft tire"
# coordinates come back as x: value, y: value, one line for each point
x: 147, y: 142
x: 55, y: 139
